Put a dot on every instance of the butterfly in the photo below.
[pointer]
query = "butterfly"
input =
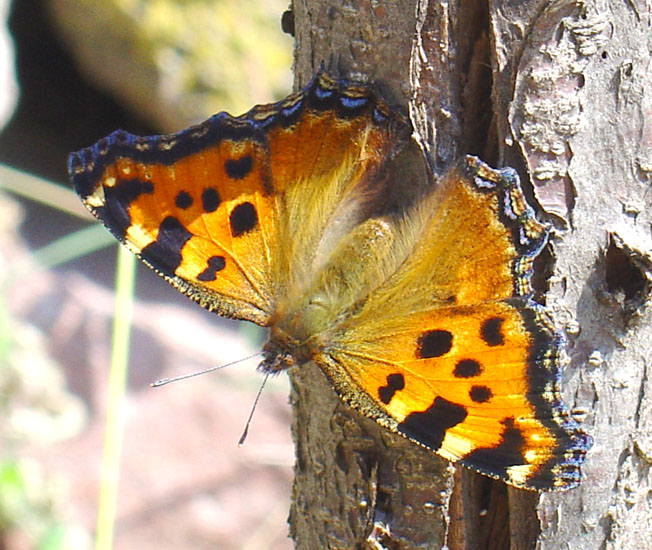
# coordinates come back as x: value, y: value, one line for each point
x: 421, y: 317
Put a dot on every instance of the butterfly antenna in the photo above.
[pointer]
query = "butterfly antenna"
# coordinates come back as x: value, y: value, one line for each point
x: 251, y: 414
x: 164, y: 381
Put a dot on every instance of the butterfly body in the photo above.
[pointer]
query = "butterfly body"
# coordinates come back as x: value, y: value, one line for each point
x: 421, y: 317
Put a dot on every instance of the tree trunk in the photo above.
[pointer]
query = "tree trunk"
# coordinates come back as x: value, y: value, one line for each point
x: 560, y: 91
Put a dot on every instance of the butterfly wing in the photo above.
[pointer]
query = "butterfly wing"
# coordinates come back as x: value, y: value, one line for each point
x: 224, y: 209
x: 452, y: 352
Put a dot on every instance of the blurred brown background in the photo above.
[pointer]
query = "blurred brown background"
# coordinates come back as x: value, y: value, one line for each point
x: 72, y: 71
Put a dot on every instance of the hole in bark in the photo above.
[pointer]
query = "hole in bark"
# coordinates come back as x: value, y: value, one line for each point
x: 627, y: 275
x: 383, y: 499
x: 542, y: 270
x: 287, y: 21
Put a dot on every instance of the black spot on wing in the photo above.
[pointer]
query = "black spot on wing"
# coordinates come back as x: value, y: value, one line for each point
x: 496, y: 460
x: 395, y: 382
x: 491, y: 331
x: 243, y: 218
x: 214, y: 264
x: 210, y: 200
x: 164, y: 254
x: 467, y: 368
x: 480, y: 394
x: 238, y: 168
x: 434, y: 343
x: 429, y: 427
x: 183, y: 200
x: 117, y: 199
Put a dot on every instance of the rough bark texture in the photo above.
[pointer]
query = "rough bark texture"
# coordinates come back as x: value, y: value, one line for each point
x: 560, y: 91
x: 352, y: 479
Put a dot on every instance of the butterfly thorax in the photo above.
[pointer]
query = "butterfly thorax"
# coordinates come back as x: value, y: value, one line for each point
x: 304, y: 319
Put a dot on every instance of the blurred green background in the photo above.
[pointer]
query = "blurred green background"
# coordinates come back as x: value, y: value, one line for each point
x: 71, y: 71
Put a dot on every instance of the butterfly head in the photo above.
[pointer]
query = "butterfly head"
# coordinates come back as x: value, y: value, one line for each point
x: 282, y: 352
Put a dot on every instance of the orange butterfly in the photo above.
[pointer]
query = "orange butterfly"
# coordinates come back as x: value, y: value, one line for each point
x: 422, y: 318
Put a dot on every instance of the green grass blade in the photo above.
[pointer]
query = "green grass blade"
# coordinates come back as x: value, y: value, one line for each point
x: 125, y: 275
x: 73, y: 246
x: 43, y: 191
x: 65, y: 249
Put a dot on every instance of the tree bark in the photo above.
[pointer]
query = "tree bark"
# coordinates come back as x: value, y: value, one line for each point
x: 560, y: 90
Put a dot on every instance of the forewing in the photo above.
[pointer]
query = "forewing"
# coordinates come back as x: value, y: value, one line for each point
x: 232, y: 211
